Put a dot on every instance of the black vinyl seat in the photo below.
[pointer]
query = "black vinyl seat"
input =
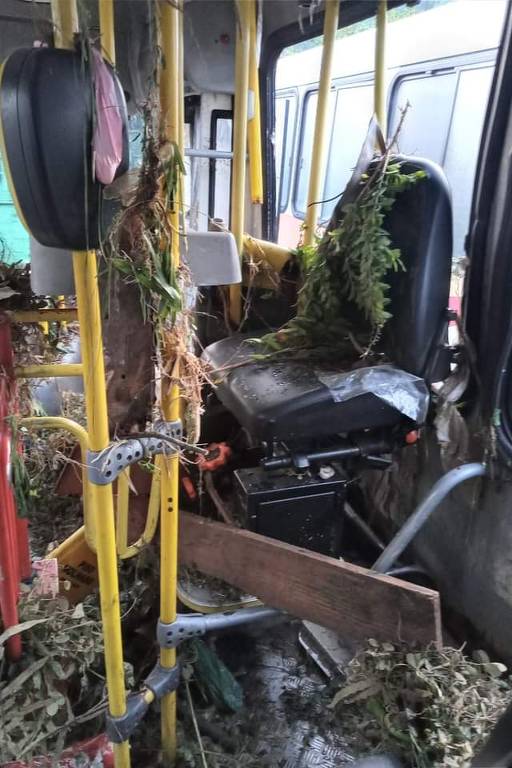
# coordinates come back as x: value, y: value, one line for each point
x: 291, y: 400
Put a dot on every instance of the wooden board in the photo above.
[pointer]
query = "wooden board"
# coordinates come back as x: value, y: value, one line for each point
x: 353, y: 601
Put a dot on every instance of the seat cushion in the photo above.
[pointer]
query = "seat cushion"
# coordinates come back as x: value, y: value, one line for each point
x: 289, y: 400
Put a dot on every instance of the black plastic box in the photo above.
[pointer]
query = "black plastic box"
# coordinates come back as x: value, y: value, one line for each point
x: 299, y: 509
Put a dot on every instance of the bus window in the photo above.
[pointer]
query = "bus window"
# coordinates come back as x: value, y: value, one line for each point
x: 354, y: 108
x: 306, y: 149
x: 14, y: 243
x: 427, y: 95
x: 286, y: 114
x: 221, y: 138
x: 463, y: 144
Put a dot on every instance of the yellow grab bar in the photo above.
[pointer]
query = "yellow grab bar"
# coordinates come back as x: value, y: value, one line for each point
x: 380, y: 66
x: 47, y: 315
x: 125, y: 550
x: 171, y: 91
x: 254, y: 125
x: 239, y: 147
x: 49, y: 370
x: 320, y: 134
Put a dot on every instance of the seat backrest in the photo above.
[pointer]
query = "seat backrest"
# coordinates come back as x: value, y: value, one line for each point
x: 420, y: 225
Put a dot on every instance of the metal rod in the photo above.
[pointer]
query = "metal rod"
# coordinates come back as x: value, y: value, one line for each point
x: 89, y: 315
x: 75, y: 429
x: 59, y: 422
x: 212, y: 154
x: 419, y: 517
x: 238, y: 169
x: 380, y: 66
x: 49, y: 370
x: 108, y: 45
x: 320, y: 134
x: 363, y: 526
x: 102, y: 506
x: 47, y: 315
x: 171, y: 90
x: 65, y: 22
x: 254, y: 126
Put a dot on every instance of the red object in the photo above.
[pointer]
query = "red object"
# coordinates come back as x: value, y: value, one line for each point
x: 188, y: 487
x: 91, y: 748
x: 14, y: 549
x: 218, y: 455
x: 412, y: 437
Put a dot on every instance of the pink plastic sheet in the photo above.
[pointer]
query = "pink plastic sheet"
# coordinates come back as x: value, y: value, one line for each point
x: 108, y: 130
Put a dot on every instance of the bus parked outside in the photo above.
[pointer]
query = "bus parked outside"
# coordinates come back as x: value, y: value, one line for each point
x: 440, y: 64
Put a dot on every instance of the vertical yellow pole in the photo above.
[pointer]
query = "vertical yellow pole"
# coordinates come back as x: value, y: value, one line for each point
x: 89, y: 317
x: 380, y: 66
x: 101, y: 501
x: 65, y: 20
x: 254, y: 127
x: 108, y: 46
x: 322, y: 109
x: 239, y: 146
x: 171, y: 92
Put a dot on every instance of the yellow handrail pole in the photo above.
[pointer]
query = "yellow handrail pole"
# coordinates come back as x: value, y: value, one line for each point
x: 60, y: 422
x: 322, y: 109
x: 380, y: 66
x: 125, y: 550
x: 65, y: 20
x: 171, y: 90
x: 48, y: 370
x: 48, y: 315
x: 89, y: 316
x: 85, y: 271
x: 254, y: 126
x: 108, y: 46
x: 239, y: 147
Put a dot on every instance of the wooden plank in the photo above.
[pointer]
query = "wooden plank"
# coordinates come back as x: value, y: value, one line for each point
x: 353, y: 601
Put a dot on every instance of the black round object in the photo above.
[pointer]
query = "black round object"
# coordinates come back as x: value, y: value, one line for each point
x: 46, y: 110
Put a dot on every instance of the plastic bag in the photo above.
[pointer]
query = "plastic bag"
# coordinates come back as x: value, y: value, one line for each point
x: 107, y: 141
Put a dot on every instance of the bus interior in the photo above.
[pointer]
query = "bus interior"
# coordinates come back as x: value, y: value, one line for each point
x: 265, y: 245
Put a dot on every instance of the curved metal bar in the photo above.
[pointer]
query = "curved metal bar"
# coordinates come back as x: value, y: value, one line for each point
x: 419, y: 517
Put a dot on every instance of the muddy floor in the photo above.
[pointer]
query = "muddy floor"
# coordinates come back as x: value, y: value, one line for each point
x: 284, y: 721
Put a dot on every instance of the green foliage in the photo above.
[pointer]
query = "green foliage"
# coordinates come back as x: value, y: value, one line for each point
x: 58, y: 676
x: 343, y: 303
x: 141, y: 242
x: 215, y: 678
x: 435, y: 708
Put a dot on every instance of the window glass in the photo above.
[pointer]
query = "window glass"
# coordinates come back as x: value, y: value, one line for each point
x: 463, y: 145
x: 354, y: 108
x: 427, y: 95
x: 286, y: 112
x: 14, y: 244
x: 224, y: 142
x: 282, y: 112
x: 307, y: 149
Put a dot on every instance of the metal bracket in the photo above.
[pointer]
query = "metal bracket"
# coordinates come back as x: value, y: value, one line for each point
x: 160, y: 681
x: 120, y: 728
x: 189, y: 625
x: 105, y: 466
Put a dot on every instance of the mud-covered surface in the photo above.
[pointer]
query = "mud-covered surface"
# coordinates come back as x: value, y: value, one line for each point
x: 289, y: 724
x: 284, y: 722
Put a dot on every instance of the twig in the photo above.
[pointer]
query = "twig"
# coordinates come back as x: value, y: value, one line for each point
x: 196, y: 727
x: 215, y: 497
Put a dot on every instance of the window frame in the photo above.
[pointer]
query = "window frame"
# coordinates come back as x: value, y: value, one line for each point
x: 217, y: 114
x: 286, y: 93
x: 341, y: 83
